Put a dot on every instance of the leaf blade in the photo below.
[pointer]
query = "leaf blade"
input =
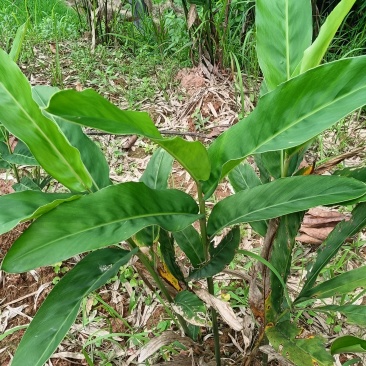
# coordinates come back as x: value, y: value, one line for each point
x: 54, y: 237
x: 282, y: 37
x: 283, y: 196
x: 27, y: 205
x: 42, y: 136
x: 273, y: 126
x: 58, y: 312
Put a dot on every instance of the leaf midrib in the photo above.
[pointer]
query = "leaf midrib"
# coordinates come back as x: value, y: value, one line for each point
x: 232, y: 222
x: 100, y: 226
x: 80, y: 180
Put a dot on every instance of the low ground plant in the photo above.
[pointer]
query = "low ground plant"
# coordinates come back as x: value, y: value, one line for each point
x: 300, y: 98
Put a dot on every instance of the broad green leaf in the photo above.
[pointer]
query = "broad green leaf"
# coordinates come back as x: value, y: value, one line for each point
x: 3, y: 151
x: 189, y: 240
x: 220, y: 256
x: 58, y: 312
x: 90, y: 153
x: 20, y: 156
x: 286, y: 339
x: 25, y: 184
x: 158, y: 170
x: 337, y: 286
x: 281, y: 256
x: 168, y: 253
x: 332, y: 244
x: 355, y: 314
x: 290, y: 115
x: 23, y: 206
x: 21, y: 116
x: 192, y: 155
x: 282, y: 197
x: 348, y: 344
x: 18, y: 42
x: 97, y: 220
x: 356, y: 173
x: 191, y: 308
x: 90, y: 109
x: 241, y: 178
x: 315, y: 53
x: 282, y: 37
x: 155, y: 176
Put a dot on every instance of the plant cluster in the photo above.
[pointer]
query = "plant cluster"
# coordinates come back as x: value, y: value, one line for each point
x: 300, y: 98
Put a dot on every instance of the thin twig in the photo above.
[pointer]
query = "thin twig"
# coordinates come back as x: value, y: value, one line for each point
x: 163, y: 132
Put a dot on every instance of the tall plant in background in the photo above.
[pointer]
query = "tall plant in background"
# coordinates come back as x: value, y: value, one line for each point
x: 295, y: 107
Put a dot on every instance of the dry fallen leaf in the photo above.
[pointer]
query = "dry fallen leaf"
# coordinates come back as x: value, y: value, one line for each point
x: 156, y: 343
x: 317, y: 225
x: 223, y: 308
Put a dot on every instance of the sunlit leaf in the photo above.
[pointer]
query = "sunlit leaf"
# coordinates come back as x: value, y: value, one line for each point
x: 21, y: 116
x: 296, y: 111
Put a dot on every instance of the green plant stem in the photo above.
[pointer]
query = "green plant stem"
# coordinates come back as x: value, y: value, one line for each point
x: 146, y: 262
x: 13, y: 166
x: 215, y: 325
x: 210, y: 284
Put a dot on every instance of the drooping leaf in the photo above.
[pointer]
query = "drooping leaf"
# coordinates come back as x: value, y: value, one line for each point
x: 192, y: 155
x: 58, y: 312
x: 220, y: 256
x: 168, y: 254
x: 286, y: 339
x: 332, y: 244
x: 241, y: 178
x: 189, y: 241
x: 315, y: 53
x: 23, y: 206
x: 281, y: 197
x: 91, y: 155
x: 90, y: 109
x: 191, y: 308
x: 282, y: 37
x: 20, y: 156
x: 337, y: 286
x: 274, y: 125
x: 355, y: 314
x: 22, y: 117
x: 348, y: 344
x: 97, y: 220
